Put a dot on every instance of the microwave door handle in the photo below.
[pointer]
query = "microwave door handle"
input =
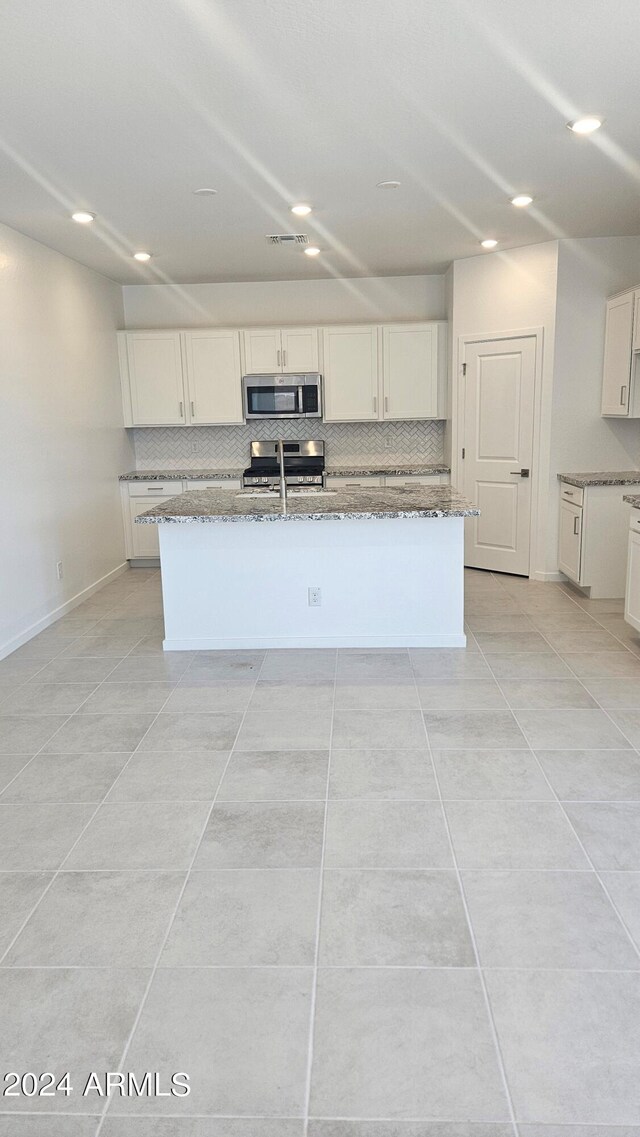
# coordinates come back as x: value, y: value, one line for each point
x: 300, y: 400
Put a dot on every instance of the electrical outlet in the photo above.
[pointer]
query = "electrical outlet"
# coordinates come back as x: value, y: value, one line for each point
x: 194, y: 447
x: 315, y: 597
x: 59, y: 572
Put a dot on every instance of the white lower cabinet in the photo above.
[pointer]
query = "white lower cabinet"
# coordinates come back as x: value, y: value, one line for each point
x: 632, y: 591
x: 345, y: 482
x: 570, y: 541
x: 593, y: 536
x: 213, y: 484
x: 141, y: 541
x: 416, y: 479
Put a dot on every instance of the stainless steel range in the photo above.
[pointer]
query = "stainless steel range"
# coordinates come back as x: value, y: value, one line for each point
x: 303, y: 465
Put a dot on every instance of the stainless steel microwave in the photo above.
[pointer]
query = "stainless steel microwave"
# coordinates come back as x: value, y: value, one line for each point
x: 282, y: 396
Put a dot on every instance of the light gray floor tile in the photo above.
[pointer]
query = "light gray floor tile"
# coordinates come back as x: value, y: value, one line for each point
x: 609, y: 831
x: 492, y: 729
x: 603, y: 664
x: 37, y: 836
x: 299, y: 729
x: 215, y: 696
x: 593, y: 775
x: 66, y: 777
x: 99, y: 734
x: 227, y: 664
x: 181, y: 731
x: 624, y: 890
x: 283, y: 694
x: 68, y: 1019
x: 628, y: 722
x: 570, y: 730
x: 33, y: 1126
x: 564, y: 640
x: 24, y: 734
x: 528, y: 665
x: 494, y: 622
x: 546, y: 919
x: 10, y: 765
x: 490, y: 774
x: 373, y: 665
x: 404, y: 1043
x: 459, y: 694
x: 611, y: 693
x: 241, y: 1035
x: 570, y: 1042
x: 19, y: 891
x: 74, y: 671
x: 132, y: 626
x: 543, y: 693
x: 128, y: 697
x: 399, y: 774
x: 513, y: 835
x: 246, y: 918
x: 209, y: 1127
x: 263, y: 775
x: 185, y: 776
x: 262, y: 835
x: 299, y: 663
x: 579, y: 1130
x: 99, y: 919
x: 369, y: 694
x: 409, y: 1129
x: 47, y: 699
x: 151, y: 668
x: 135, y: 836
x: 512, y: 641
x: 362, y: 729
x: 399, y: 918
x: 435, y: 663
x: 99, y: 646
x: 386, y: 834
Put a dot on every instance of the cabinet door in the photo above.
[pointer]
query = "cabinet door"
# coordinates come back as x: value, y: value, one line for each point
x: 410, y: 371
x: 570, y: 540
x: 636, y: 322
x: 155, y: 378
x: 214, y: 376
x: 415, y: 479
x: 350, y: 374
x: 300, y: 349
x: 632, y: 591
x: 262, y: 351
x: 616, y: 372
x: 144, y: 538
x: 340, y: 482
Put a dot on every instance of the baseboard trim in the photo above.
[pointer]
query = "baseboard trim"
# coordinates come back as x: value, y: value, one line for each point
x: 549, y: 576
x: 68, y: 606
x: 259, y: 643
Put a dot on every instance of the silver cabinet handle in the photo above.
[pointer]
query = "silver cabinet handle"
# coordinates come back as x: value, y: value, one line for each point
x: 278, y: 354
x: 352, y: 485
x: 623, y: 396
x: 284, y: 358
x: 568, y: 493
x: 576, y: 526
x: 155, y: 489
x: 193, y: 410
x: 375, y: 405
x: 386, y: 403
x: 181, y: 409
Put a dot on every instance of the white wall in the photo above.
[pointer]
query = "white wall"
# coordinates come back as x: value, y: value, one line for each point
x: 284, y: 302
x: 61, y: 436
x: 506, y: 292
x: 589, y: 270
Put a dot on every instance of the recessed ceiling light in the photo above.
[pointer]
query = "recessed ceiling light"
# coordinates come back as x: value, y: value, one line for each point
x: 521, y: 199
x: 387, y: 185
x: 312, y: 251
x: 490, y: 243
x: 142, y: 256
x: 206, y: 191
x: 82, y: 217
x: 301, y: 210
x: 585, y: 125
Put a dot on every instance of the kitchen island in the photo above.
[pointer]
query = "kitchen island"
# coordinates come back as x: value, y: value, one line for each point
x: 359, y: 568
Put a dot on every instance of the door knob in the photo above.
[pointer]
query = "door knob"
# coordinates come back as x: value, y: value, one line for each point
x: 524, y: 473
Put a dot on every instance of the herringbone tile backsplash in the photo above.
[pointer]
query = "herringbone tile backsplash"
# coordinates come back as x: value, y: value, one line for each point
x: 182, y: 447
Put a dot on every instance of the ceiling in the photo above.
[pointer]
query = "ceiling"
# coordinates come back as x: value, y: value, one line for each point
x: 124, y: 108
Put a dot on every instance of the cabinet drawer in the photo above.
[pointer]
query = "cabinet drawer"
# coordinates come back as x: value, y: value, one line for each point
x: 213, y: 484
x: 345, y: 483
x: 415, y: 479
x: 154, y: 489
x: 571, y: 493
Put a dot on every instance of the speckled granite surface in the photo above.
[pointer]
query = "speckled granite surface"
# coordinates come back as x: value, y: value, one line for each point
x: 340, y: 505
x: 373, y: 470
x: 604, y: 478
x: 633, y: 499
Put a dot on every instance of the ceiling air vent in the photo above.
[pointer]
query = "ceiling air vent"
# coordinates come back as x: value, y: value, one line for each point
x: 287, y: 238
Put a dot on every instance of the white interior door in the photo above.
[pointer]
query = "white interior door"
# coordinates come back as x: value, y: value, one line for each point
x: 499, y: 388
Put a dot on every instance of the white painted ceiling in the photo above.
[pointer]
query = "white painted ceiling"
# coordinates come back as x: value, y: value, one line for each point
x: 124, y: 107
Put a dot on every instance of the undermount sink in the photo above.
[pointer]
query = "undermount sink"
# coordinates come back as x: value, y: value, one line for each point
x: 270, y: 495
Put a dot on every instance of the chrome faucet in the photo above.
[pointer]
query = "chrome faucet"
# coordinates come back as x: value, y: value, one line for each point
x: 283, y: 482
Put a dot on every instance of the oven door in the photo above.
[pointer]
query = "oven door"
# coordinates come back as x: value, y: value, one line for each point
x: 262, y: 400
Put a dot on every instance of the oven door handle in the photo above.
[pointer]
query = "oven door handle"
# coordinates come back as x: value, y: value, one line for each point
x: 300, y: 399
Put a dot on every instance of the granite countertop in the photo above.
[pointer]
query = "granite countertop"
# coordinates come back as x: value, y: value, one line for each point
x: 633, y: 499
x: 361, y: 471
x: 604, y: 478
x: 339, y: 505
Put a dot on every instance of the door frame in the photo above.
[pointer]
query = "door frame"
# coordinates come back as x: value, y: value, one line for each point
x: 540, y: 452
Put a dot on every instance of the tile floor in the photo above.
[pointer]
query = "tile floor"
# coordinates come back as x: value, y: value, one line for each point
x: 351, y: 894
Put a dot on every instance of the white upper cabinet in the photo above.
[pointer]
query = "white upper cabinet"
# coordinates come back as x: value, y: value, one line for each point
x: 213, y: 376
x: 618, y: 343
x: 350, y: 374
x: 153, y: 394
x: 268, y: 350
x: 413, y: 370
